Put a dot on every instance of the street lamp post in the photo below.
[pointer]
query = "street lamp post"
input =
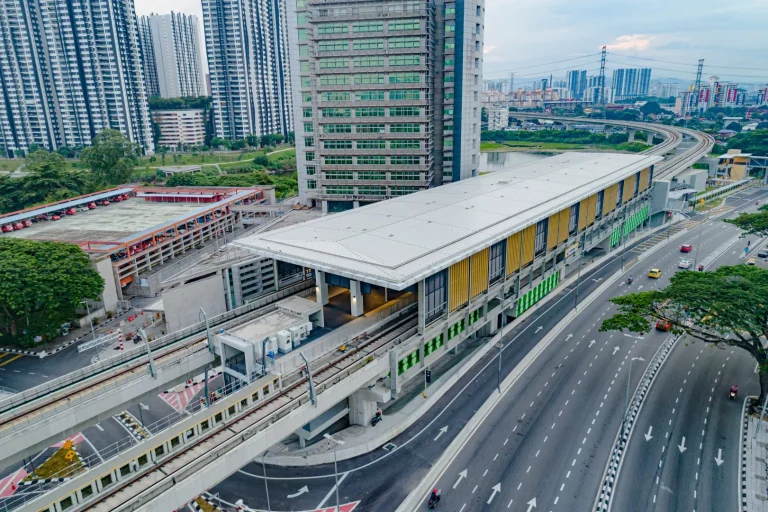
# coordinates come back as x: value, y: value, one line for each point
x: 90, y: 321
x: 335, y: 442
x: 266, y: 487
x: 698, y: 241
x: 626, y: 398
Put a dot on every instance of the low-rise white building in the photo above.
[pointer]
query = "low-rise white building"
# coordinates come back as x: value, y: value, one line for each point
x: 498, y: 118
x: 185, y: 127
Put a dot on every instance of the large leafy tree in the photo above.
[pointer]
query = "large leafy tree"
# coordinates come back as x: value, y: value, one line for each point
x: 41, y: 286
x: 752, y: 223
x: 49, y: 179
x: 727, y: 307
x: 111, y: 158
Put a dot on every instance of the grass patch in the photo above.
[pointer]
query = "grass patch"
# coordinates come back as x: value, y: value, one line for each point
x: 58, y: 466
x: 714, y: 203
x: 277, y: 154
x: 527, y: 145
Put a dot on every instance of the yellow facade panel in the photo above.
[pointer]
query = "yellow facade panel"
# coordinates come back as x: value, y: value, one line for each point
x: 479, y: 274
x: 644, y: 174
x: 583, y: 213
x: 529, y: 240
x: 607, y: 201
x: 458, y: 284
x: 629, y: 189
x: 562, y: 230
x: 513, y: 253
x: 553, y: 224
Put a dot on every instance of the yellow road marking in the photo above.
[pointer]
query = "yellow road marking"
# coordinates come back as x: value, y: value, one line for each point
x: 12, y: 359
x: 2, y: 355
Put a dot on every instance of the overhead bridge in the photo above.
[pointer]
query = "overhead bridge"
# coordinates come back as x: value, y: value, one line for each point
x: 39, y: 417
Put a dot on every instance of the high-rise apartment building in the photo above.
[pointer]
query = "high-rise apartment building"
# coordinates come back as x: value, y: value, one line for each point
x: 68, y: 70
x: 170, y: 47
x: 387, y: 96
x: 248, y: 63
x: 576, y: 83
x: 631, y: 82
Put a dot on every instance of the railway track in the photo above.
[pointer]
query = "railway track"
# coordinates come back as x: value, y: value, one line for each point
x: 168, y: 473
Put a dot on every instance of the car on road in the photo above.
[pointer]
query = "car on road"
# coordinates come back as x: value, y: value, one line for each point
x: 763, y: 254
x: 663, y: 325
x: 686, y: 248
x: 751, y: 262
x: 686, y: 264
x: 654, y: 273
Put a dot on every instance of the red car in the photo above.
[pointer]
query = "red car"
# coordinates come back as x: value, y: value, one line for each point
x: 105, y: 203
x: 17, y: 226
x: 686, y: 248
x: 662, y: 325
x: 7, y: 228
x: 70, y: 211
x: 55, y: 217
x: 91, y: 206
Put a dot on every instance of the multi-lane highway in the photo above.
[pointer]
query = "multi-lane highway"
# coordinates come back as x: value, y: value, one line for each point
x: 684, y: 452
x: 550, y: 436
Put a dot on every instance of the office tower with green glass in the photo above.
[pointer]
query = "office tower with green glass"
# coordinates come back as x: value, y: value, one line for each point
x: 386, y: 96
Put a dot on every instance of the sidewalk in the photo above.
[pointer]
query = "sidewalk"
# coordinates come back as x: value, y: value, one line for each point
x: 754, y: 465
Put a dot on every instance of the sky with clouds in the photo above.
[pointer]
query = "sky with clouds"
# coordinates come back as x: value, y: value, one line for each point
x: 534, y: 38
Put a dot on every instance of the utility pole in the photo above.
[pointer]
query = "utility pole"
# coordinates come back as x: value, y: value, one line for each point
x: 602, y: 75
x: 697, y: 85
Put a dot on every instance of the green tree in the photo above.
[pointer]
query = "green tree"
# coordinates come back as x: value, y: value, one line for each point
x: 755, y: 142
x: 733, y: 126
x: 111, y: 158
x: 752, y: 223
x: 651, y: 107
x: 49, y: 180
x: 41, y: 286
x: 727, y: 307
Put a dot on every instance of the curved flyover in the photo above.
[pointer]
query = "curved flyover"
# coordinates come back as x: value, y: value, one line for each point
x: 673, y: 136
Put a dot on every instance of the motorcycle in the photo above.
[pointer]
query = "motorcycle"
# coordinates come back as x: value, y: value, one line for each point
x: 433, y: 501
x: 629, y: 281
x: 376, y: 419
x: 732, y: 395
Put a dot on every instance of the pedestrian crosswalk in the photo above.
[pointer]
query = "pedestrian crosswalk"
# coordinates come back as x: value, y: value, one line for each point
x: 180, y: 400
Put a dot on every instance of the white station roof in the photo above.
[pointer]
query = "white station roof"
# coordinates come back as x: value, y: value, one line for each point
x: 396, y: 243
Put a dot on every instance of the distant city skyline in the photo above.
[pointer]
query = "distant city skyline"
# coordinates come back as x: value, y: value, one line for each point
x: 517, y: 39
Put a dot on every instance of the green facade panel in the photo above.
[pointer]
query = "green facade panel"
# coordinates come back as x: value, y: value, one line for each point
x: 536, y: 294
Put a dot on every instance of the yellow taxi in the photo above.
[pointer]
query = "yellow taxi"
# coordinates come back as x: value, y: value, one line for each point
x: 654, y: 273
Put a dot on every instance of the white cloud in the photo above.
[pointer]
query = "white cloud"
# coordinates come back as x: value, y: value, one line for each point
x: 488, y: 49
x: 636, y: 42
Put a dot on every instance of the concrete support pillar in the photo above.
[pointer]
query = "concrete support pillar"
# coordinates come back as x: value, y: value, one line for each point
x: 631, y: 135
x: 355, y: 204
x: 325, y: 206
x: 422, y: 306
x: 361, y: 407
x: 394, y: 379
x: 321, y: 288
x: 355, y: 299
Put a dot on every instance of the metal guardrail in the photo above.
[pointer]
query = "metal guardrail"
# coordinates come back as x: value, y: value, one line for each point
x: 60, y: 385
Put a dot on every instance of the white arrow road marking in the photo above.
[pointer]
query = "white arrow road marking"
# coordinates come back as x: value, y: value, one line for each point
x: 568, y: 337
x: 681, y: 446
x: 463, y: 474
x: 538, y: 329
x: 615, y: 349
x: 634, y: 337
x: 598, y: 279
x: 301, y: 491
x: 719, y: 458
x: 442, y: 431
x: 496, y: 488
x: 591, y: 343
x: 145, y: 407
x: 648, y: 436
x: 531, y: 504
x: 639, y: 287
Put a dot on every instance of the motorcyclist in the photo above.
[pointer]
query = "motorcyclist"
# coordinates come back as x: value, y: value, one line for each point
x: 435, y: 497
x: 629, y: 281
x: 735, y: 389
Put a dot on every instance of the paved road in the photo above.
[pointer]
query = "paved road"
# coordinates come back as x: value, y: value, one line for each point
x: 381, y: 480
x: 689, y: 399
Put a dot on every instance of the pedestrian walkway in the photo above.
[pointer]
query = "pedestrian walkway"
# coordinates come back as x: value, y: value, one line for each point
x: 754, y: 465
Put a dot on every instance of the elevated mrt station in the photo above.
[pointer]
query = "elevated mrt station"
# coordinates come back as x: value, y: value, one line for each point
x: 466, y: 248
